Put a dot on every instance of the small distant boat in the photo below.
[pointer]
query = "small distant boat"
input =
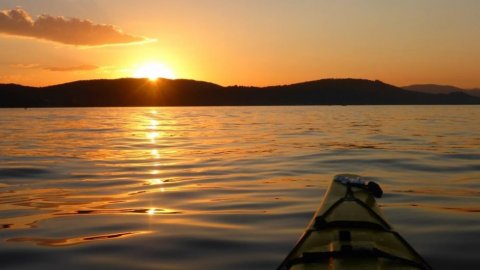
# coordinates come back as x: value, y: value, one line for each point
x: 348, y: 231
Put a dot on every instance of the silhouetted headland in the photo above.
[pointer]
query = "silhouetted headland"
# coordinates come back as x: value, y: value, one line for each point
x: 164, y: 92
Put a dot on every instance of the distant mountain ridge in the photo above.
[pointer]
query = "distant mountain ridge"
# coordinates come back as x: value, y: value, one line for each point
x: 165, y: 92
x: 441, y: 89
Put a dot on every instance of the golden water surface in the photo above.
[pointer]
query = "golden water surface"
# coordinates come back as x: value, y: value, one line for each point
x: 226, y: 187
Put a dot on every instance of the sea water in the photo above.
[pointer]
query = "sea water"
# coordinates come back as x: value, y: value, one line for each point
x: 227, y: 187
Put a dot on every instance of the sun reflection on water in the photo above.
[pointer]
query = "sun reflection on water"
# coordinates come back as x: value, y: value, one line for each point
x: 153, y: 124
x: 155, y: 153
x: 151, y: 211
x: 155, y: 182
x: 152, y: 136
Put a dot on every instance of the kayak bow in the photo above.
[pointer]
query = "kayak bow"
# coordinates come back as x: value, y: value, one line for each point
x: 348, y: 231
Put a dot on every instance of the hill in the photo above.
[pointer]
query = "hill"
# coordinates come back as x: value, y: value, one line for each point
x: 164, y: 92
x: 441, y: 89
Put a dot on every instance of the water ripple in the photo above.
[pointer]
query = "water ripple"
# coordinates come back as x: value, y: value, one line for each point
x: 73, y: 241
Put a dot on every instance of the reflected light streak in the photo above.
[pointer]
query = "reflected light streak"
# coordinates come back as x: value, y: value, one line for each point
x: 155, y: 153
x: 152, y: 211
x: 152, y: 136
x: 76, y: 240
x: 153, y: 124
x: 155, y: 182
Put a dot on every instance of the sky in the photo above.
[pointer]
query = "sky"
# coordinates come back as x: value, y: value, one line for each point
x: 247, y: 42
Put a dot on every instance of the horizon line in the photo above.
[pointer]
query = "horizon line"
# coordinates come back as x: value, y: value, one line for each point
x: 237, y: 85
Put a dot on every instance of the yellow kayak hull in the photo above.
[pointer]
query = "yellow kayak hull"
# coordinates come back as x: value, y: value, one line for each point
x: 349, y: 231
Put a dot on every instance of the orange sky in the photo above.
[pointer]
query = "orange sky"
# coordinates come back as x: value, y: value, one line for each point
x: 248, y: 42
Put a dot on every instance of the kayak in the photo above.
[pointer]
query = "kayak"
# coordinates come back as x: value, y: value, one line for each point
x: 348, y: 231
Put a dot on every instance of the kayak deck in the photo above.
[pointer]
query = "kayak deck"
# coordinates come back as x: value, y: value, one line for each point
x: 348, y: 231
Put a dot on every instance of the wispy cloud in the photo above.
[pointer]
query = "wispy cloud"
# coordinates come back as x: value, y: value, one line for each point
x: 71, y: 31
x: 56, y: 68
x: 73, y: 68
x: 25, y: 66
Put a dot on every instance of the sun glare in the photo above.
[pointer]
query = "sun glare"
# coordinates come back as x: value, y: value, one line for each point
x: 153, y: 71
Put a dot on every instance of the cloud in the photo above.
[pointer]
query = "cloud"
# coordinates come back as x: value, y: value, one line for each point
x: 25, y: 66
x: 58, y: 68
x: 73, y: 68
x: 71, y: 31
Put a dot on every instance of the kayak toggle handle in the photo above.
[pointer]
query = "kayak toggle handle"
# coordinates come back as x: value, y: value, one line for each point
x: 358, y: 181
x: 375, y: 189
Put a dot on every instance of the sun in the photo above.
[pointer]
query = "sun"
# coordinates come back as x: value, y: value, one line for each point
x: 153, y: 71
